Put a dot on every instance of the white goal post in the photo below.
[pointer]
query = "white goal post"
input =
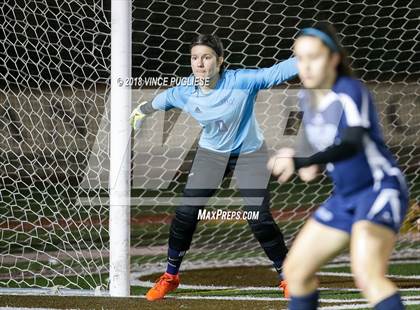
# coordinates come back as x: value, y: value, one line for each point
x: 120, y: 150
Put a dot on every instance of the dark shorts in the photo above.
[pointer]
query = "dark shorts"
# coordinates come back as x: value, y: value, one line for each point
x: 385, y: 206
x: 209, y: 169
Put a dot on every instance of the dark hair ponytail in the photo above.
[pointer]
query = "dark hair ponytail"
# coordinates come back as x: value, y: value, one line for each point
x: 212, y: 41
x: 343, y: 67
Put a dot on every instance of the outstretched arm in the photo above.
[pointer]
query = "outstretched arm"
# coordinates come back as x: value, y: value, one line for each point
x: 268, y: 77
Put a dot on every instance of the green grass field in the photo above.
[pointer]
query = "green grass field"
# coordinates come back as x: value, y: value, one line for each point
x: 234, y: 288
x: 68, y: 227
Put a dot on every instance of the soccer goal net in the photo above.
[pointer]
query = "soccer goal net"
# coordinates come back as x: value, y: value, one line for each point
x: 55, y: 124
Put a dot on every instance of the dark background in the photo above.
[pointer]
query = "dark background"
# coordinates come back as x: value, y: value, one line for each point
x: 56, y: 44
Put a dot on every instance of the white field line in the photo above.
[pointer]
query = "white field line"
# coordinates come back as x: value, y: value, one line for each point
x: 392, y: 262
x: 323, y: 300
x: 343, y: 307
x: 52, y: 291
x: 259, y: 298
x: 21, y: 308
x: 408, y: 300
x: 348, y: 274
x: 362, y: 306
x: 251, y: 288
x: 187, y: 266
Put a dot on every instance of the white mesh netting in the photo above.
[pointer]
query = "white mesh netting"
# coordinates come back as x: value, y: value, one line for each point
x: 55, y: 125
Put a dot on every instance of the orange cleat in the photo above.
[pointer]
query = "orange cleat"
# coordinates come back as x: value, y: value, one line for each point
x: 165, y: 284
x: 283, y: 286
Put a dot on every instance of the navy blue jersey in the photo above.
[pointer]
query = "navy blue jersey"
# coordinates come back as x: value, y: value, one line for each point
x: 349, y: 104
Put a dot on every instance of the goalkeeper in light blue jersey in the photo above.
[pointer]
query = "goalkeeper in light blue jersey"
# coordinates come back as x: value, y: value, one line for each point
x: 225, y: 108
x: 231, y: 139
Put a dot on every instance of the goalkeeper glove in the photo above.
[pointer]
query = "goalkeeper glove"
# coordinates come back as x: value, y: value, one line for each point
x: 137, y: 116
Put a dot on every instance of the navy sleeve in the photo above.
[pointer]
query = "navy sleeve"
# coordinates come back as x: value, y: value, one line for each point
x: 349, y: 146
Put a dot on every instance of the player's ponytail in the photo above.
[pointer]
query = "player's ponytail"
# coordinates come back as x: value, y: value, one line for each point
x: 328, y: 36
x: 212, y: 41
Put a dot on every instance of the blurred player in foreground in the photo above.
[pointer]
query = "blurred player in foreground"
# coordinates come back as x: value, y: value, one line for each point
x: 231, y: 140
x: 370, y: 195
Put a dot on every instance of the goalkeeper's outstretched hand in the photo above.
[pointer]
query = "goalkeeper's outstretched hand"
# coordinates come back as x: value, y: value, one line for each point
x: 137, y: 116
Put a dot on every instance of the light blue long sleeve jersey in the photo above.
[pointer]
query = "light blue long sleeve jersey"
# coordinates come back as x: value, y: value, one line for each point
x: 226, y: 113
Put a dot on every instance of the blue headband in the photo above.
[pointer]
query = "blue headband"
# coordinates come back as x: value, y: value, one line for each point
x: 321, y: 35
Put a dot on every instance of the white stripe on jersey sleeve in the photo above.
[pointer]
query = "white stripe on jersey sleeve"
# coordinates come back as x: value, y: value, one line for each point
x: 353, y: 116
x: 365, y: 109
